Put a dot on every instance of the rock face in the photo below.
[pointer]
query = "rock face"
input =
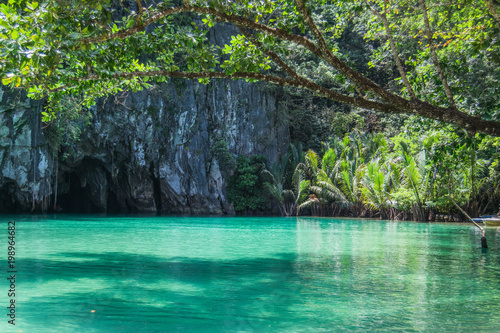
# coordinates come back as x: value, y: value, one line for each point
x: 148, y: 152
x: 152, y: 151
x: 26, y: 164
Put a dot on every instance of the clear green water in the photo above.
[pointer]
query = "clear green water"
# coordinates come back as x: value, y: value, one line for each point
x: 158, y: 274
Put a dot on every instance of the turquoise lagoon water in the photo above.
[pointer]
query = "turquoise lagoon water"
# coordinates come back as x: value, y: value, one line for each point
x: 170, y: 274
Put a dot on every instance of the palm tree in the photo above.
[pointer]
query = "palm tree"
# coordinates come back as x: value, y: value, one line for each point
x: 303, y: 198
x: 310, y: 167
x: 413, y: 173
x: 305, y: 179
x: 330, y: 192
x: 376, y: 187
x: 274, y: 181
x: 347, y: 171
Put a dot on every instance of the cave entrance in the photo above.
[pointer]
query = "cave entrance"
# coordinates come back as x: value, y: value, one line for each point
x: 8, y: 203
x: 76, y: 200
x: 112, y: 204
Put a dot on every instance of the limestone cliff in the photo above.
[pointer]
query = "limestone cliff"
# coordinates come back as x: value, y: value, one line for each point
x: 26, y: 165
x: 146, y: 152
x: 149, y: 151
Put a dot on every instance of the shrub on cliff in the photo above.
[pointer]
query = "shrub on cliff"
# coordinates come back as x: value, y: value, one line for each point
x: 245, y: 188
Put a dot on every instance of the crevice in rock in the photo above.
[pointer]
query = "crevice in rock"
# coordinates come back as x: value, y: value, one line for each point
x: 221, y: 203
x: 156, y: 188
x: 112, y: 204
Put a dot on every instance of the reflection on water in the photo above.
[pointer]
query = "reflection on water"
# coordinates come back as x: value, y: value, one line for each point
x: 251, y: 274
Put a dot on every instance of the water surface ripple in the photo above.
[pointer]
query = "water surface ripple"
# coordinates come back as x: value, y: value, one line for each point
x: 187, y: 274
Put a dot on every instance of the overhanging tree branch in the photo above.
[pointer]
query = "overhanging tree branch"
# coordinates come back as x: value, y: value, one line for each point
x: 139, y: 15
x: 351, y: 74
x: 295, y: 82
x: 416, y: 107
x: 271, y: 54
x: 322, y: 52
x: 69, y: 58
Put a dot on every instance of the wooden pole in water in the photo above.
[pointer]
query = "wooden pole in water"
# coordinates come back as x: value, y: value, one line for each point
x: 484, y: 244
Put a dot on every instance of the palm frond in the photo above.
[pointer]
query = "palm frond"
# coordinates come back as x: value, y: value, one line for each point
x: 268, y: 176
x: 275, y: 192
x: 332, y: 192
x: 329, y: 161
x: 309, y: 202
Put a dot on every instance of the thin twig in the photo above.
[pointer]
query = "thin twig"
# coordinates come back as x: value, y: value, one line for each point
x: 430, y: 35
x: 139, y: 15
x: 395, y: 53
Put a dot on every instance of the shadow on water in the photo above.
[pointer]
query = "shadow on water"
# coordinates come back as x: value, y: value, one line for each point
x: 145, y: 292
x: 324, y: 275
x: 126, y: 265
x: 138, y: 293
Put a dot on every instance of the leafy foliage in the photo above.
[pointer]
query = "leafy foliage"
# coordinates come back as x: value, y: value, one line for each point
x: 407, y: 176
x: 418, y: 57
x: 221, y: 152
x: 246, y: 189
x: 68, y: 126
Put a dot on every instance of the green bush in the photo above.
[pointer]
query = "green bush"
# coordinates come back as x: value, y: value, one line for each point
x: 245, y: 188
x: 222, y: 154
x: 344, y: 123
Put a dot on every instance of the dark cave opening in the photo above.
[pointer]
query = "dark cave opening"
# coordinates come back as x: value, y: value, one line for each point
x: 8, y: 204
x: 156, y: 189
x: 76, y: 200
x: 112, y: 204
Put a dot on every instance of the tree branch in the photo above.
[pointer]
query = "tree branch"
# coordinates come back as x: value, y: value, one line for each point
x: 416, y: 107
x: 310, y: 23
x: 296, y: 82
x: 395, y: 53
x: 271, y: 54
x: 351, y: 74
x: 324, y: 53
x: 139, y: 15
x: 493, y: 11
x: 430, y: 34
x: 392, y: 102
x: 292, y: 73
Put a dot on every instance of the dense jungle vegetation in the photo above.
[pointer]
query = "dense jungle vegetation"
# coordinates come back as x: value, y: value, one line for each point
x: 411, y: 175
x: 347, y: 161
x: 392, y: 104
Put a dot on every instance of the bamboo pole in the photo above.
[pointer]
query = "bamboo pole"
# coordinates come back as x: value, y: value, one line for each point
x: 484, y: 244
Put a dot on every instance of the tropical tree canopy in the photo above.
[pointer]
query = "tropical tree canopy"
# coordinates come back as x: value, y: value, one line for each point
x: 443, y: 56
